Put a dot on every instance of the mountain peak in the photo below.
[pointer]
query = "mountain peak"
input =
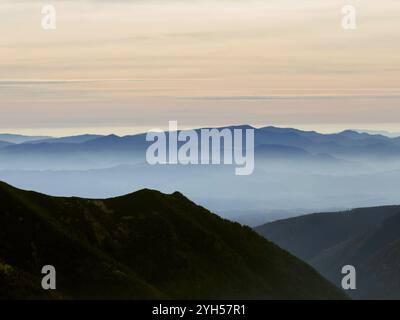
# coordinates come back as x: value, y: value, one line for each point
x: 146, y: 246
x: 350, y: 132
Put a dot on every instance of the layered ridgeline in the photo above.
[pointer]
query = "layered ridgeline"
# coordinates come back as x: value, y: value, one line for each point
x: 349, y: 150
x: 139, y: 246
x: 299, y: 171
x: 367, y: 238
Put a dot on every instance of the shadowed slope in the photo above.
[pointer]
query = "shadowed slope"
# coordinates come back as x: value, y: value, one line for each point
x: 142, y: 245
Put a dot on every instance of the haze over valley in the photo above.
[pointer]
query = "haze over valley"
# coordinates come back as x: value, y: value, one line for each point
x: 296, y: 172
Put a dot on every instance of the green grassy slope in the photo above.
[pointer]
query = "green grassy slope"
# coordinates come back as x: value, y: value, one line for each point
x: 141, y: 246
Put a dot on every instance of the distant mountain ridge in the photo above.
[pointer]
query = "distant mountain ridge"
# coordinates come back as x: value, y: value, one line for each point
x: 72, y: 139
x: 347, y: 145
x: 295, y: 168
x: 367, y: 238
x: 143, y: 245
x: 381, y: 132
x: 17, y: 138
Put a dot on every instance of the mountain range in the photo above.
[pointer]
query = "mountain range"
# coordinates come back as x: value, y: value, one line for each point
x: 18, y: 138
x: 366, y: 238
x: 143, y: 245
x: 295, y: 171
x: 276, y: 141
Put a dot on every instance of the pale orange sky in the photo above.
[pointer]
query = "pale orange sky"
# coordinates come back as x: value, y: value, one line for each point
x: 122, y: 66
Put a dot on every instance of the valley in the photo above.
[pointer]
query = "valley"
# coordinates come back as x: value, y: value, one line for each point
x: 295, y: 172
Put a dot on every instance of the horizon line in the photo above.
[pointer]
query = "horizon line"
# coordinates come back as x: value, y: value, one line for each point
x: 122, y: 131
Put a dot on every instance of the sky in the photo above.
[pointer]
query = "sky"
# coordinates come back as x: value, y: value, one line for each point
x: 128, y: 66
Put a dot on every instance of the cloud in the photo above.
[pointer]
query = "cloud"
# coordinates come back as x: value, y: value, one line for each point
x: 297, y: 97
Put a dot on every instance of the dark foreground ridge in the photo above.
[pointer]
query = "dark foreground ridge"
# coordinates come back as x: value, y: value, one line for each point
x: 145, y: 245
x: 366, y: 238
